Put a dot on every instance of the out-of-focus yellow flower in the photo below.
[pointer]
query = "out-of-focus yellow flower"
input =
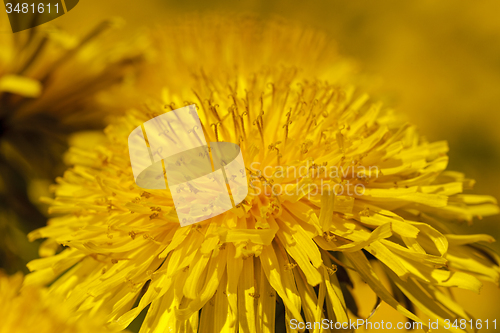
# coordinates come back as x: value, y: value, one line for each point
x: 49, y: 83
x: 32, y: 309
x: 335, y: 180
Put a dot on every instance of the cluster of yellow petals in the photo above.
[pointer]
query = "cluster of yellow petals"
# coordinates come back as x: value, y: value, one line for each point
x: 32, y: 309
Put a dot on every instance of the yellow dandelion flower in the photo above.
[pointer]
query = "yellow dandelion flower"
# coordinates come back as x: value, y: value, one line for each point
x: 336, y: 181
x: 32, y: 309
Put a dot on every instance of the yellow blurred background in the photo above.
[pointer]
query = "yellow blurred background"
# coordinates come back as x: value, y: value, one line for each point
x: 436, y: 61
